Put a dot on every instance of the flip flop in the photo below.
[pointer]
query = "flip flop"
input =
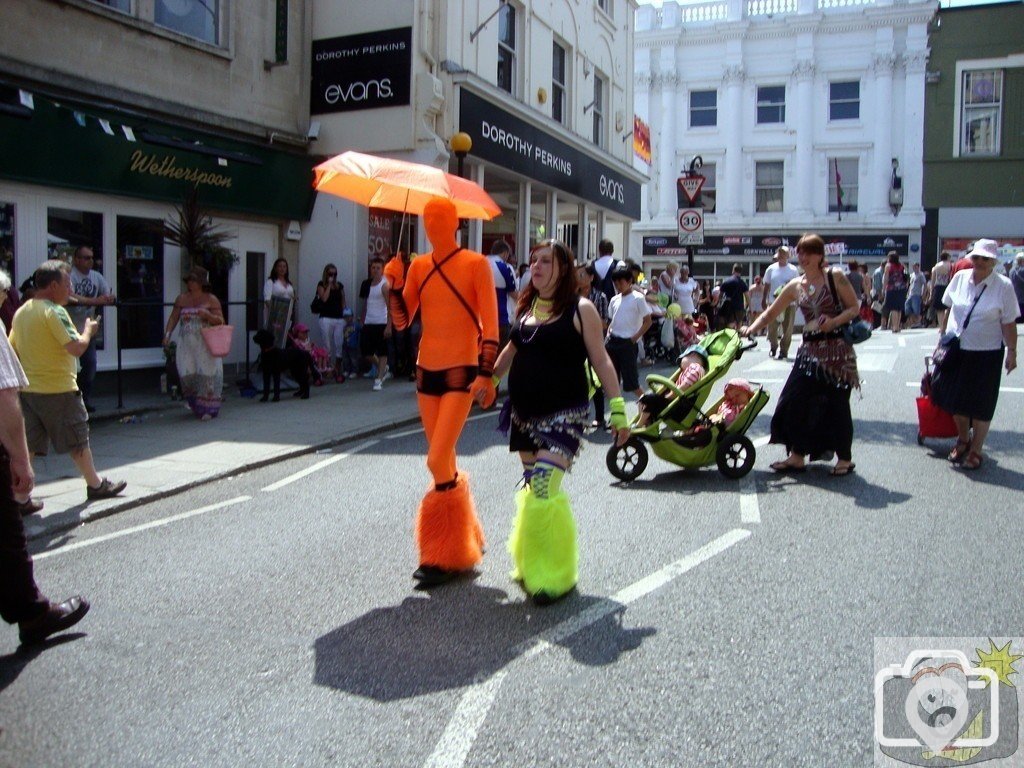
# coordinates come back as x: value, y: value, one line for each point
x: 959, y: 451
x: 972, y: 462
x: 785, y: 468
x: 843, y: 471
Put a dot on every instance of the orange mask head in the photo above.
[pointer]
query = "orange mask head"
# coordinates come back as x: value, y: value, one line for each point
x: 441, y: 221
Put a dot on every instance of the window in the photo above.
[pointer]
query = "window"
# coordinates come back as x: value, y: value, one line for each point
x: 7, y: 241
x: 66, y: 230
x: 981, y: 102
x: 605, y: 5
x: 768, y: 186
x: 117, y: 5
x: 195, y: 18
x: 842, y: 180
x: 703, y: 108
x: 709, y: 192
x: 599, y: 108
x: 771, y: 104
x: 844, y: 101
x: 558, y: 83
x: 140, y: 282
x: 507, y: 48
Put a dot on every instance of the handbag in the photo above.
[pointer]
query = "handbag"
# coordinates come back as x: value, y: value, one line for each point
x: 218, y: 339
x: 855, y: 331
x: 947, y: 351
x: 316, y: 306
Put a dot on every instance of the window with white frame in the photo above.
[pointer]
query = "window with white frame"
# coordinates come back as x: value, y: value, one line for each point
x: 605, y: 5
x: 981, y: 104
x: 507, y: 48
x: 194, y: 18
x: 599, y: 110
x: 709, y: 190
x: 842, y: 184
x: 844, y: 100
x: 768, y: 186
x: 117, y: 5
x: 558, y: 82
x: 771, y: 104
x: 703, y: 108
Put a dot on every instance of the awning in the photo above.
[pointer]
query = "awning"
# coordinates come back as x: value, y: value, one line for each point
x: 63, y: 144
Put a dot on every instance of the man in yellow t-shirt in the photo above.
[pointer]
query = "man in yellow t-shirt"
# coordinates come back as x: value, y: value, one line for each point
x: 49, y: 347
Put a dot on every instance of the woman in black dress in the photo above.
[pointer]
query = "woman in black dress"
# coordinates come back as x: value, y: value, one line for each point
x: 554, y: 333
x: 813, y: 417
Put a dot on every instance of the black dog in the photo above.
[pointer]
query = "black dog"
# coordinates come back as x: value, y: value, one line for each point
x: 274, y: 361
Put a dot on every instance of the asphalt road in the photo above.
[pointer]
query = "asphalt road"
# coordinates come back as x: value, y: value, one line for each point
x: 270, y: 619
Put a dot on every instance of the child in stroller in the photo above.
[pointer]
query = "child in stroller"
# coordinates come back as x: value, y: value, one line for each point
x: 675, y: 425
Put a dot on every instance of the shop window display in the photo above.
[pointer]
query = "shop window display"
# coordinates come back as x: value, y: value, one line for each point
x: 140, y: 282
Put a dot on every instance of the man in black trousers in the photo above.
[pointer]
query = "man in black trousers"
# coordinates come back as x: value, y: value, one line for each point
x: 21, y: 602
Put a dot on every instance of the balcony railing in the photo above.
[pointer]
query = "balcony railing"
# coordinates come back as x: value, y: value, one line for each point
x: 717, y: 11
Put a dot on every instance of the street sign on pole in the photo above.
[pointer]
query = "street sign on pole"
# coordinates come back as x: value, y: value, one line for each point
x: 691, y: 226
x: 691, y: 185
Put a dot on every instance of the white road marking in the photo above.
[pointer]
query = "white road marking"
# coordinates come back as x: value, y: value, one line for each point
x: 143, y: 527
x: 762, y: 441
x: 750, y: 510
x: 902, y: 342
x: 462, y: 730
x: 318, y: 466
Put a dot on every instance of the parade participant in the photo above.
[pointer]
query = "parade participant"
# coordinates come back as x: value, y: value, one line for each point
x: 983, y: 314
x: 454, y: 292
x: 555, y: 333
x: 813, y: 414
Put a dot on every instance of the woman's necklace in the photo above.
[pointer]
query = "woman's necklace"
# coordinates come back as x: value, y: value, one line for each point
x: 540, y: 310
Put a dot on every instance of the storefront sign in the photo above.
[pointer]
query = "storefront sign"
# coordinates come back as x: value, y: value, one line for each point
x: 166, y: 166
x: 504, y: 139
x: 764, y: 245
x: 366, y: 71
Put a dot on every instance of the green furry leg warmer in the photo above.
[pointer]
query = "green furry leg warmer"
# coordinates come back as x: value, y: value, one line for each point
x: 543, y: 544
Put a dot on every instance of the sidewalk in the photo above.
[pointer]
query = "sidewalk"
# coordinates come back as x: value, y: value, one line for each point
x: 160, y: 448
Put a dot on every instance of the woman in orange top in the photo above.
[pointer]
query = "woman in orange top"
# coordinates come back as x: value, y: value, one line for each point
x: 454, y: 292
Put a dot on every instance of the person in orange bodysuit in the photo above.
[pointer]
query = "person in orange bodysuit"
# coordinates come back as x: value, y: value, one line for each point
x: 453, y: 289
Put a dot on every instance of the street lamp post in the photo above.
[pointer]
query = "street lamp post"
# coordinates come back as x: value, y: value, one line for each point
x: 461, y: 143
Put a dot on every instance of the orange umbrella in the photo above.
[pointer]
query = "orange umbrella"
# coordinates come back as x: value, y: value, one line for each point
x: 397, y: 185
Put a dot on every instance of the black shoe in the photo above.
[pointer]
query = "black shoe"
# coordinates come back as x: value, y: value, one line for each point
x: 772, y: 353
x: 28, y: 507
x: 544, y: 599
x: 432, y: 576
x: 105, y: 490
x: 55, y: 619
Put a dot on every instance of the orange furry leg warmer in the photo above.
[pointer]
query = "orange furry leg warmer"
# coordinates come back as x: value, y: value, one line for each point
x: 448, y: 532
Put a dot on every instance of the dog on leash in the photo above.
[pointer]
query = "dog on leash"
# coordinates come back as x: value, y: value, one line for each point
x: 275, y: 361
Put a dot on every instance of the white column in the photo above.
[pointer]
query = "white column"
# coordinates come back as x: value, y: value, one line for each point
x: 655, y: 119
x: 803, y: 187
x: 583, y: 231
x: 667, y: 169
x: 475, y: 240
x: 881, y: 175
x: 523, y: 222
x: 911, y: 165
x: 731, y: 195
x: 551, y: 225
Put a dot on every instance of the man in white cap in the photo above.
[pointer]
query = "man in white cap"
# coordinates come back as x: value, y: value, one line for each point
x: 776, y: 277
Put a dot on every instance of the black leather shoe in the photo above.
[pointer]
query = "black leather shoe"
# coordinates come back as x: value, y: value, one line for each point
x: 29, y: 507
x: 543, y: 599
x: 432, y: 576
x: 105, y: 490
x: 56, y: 619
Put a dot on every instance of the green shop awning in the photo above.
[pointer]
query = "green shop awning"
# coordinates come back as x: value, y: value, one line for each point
x: 57, y: 143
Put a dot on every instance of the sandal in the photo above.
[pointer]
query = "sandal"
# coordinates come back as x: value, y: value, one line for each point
x: 838, y: 471
x: 972, y: 461
x: 784, y: 467
x: 959, y: 451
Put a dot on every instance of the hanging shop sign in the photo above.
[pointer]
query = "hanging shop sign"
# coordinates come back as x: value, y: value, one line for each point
x: 366, y: 71
x: 760, y: 246
x: 504, y: 139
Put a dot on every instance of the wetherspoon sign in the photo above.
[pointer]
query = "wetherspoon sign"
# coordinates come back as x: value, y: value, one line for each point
x: 503, y: 139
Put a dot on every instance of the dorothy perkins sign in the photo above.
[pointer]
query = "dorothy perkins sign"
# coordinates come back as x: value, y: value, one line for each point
x: 366, y: 71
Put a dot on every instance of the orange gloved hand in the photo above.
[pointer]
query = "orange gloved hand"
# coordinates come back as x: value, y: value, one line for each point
x: 483, y: 391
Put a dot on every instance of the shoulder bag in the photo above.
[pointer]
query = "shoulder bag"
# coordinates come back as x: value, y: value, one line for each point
x: 855, y: 331
x: 218, y: 339
x: 947, y: 351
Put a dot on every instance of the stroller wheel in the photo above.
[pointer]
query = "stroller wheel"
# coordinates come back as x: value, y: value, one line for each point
x: 735, y: 456
x: 628, y: 461
x: 920, y: 439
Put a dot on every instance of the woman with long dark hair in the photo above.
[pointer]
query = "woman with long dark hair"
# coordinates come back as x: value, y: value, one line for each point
x: 330, y: 295
x: 554, y: 333
x: 894, y: 282
x: 279, y: 299
x: 813, y: 417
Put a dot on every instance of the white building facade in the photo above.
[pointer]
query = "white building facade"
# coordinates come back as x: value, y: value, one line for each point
x: 543, y: 89
x: 808, y: 115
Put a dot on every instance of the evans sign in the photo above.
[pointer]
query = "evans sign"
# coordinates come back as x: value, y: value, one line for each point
x: 366, y: 71
x: 506, y: 140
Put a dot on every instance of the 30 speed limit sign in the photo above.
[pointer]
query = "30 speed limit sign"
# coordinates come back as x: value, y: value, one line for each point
x: 691, y: 226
